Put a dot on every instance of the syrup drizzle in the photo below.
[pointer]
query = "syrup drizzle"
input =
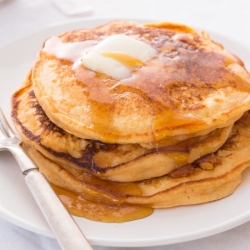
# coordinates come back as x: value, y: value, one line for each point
x: 183, y: 59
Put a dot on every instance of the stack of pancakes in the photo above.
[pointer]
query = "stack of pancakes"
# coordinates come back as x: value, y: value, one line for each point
x: 175, y: 132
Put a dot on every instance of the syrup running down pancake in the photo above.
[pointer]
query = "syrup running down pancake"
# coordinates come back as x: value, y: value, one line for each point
x: 190, y: 187
x: 176, y: 92
x: 117, y: 162
x: 127, y: 117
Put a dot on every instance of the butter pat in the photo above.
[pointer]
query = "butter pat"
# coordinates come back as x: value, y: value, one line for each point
x: 72, y: 52
x: 117, y: 55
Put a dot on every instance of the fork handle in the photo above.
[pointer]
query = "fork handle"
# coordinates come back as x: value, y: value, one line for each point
x: 66, y: 231
x: 62, y: 224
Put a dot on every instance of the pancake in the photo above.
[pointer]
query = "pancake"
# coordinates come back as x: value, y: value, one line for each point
x: 125, y: 117
x: 203, y: 185
x: 177, y: 92
x: 199, y: 186
x: 122, y: 163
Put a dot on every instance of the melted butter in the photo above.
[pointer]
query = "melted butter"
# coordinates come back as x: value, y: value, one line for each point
x: 130, y: 47
x: 97, y: 211
x: 72, y: 52
x: 124, y: 58
x: 183, y: 61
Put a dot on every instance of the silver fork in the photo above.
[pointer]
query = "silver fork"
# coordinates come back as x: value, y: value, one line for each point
x: 68, y: 234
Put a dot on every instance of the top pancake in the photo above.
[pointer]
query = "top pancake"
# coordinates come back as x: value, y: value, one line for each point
x: 192, y: 85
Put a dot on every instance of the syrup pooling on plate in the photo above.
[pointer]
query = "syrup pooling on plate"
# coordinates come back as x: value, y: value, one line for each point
x: 77, y: 205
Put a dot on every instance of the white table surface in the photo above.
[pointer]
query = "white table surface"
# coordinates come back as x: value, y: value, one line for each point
x: 232, y: 18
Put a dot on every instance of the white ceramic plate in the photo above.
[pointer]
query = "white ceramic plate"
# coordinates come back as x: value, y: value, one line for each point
x: 164, y: 227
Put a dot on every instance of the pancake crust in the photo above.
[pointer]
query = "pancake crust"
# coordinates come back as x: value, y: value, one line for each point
x: 199, y: 187
x: 122, y: 163
x: 177, y: 93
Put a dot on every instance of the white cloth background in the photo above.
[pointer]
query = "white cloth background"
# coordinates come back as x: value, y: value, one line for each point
x: 21, y: 17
